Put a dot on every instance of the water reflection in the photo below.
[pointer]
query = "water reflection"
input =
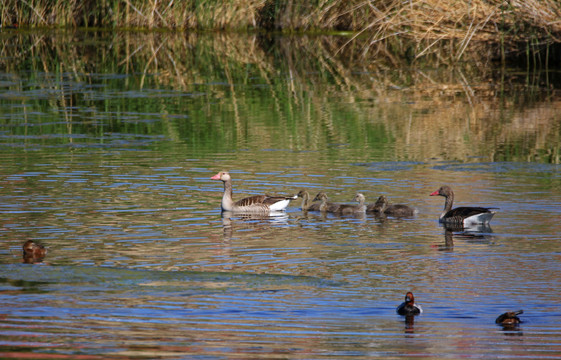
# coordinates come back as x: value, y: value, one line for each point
x: 510, y: 323
x: 409, y: 324
x: 278, y: 217
x: 475, y: 233
x: 108, y: 166
x: 318, y: 216
x: 238, y: 221
x: 383, y: 217
x: 325, y: 215
x: 448, y: 241
x: 102, y: 97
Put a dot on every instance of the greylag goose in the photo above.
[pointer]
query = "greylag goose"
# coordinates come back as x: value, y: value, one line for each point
x: 306, y: 205
x: 379, y: 206
x: 343, y: 209
x: 408, y: 307
x: 373, y: 208
x: 353, y: 208
x: 509, y: 318
x: 383, y: 207
x: 325, y: 206
x: 465, y: 215
x: 252, y: 204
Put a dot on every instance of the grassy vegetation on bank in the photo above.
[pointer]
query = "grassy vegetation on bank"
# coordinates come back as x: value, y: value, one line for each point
x: 508, y: 25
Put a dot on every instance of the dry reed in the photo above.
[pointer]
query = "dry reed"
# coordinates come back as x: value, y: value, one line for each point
x: 424, y: 23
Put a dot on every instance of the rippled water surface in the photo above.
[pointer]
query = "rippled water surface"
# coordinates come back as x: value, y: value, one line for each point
x: 107, y: 163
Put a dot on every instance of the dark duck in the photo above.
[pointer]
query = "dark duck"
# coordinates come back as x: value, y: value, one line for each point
x: 408, y: 307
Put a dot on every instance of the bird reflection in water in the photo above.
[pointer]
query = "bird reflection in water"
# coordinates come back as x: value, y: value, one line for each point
x: 33, y: 253
x: 409, y: 324
x: 477, y: 234
x: 233, y: 219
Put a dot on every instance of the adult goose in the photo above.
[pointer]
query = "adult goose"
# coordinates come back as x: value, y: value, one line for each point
x: 408, y: 307
x: 306, y: 204
x: 252, y: 204
x: 465, y: 215
x: 383, y: 207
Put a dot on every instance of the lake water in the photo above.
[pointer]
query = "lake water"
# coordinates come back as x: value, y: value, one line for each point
x: 108, y: 142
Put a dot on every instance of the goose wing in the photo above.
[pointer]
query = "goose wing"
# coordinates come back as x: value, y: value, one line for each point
x: 261, y: 200
x: 467, y: 211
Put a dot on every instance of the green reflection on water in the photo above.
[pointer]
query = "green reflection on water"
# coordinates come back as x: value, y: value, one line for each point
x: 219, y: 93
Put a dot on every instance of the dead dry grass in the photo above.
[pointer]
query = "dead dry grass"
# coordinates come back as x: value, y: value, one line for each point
x: 425, y: 23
